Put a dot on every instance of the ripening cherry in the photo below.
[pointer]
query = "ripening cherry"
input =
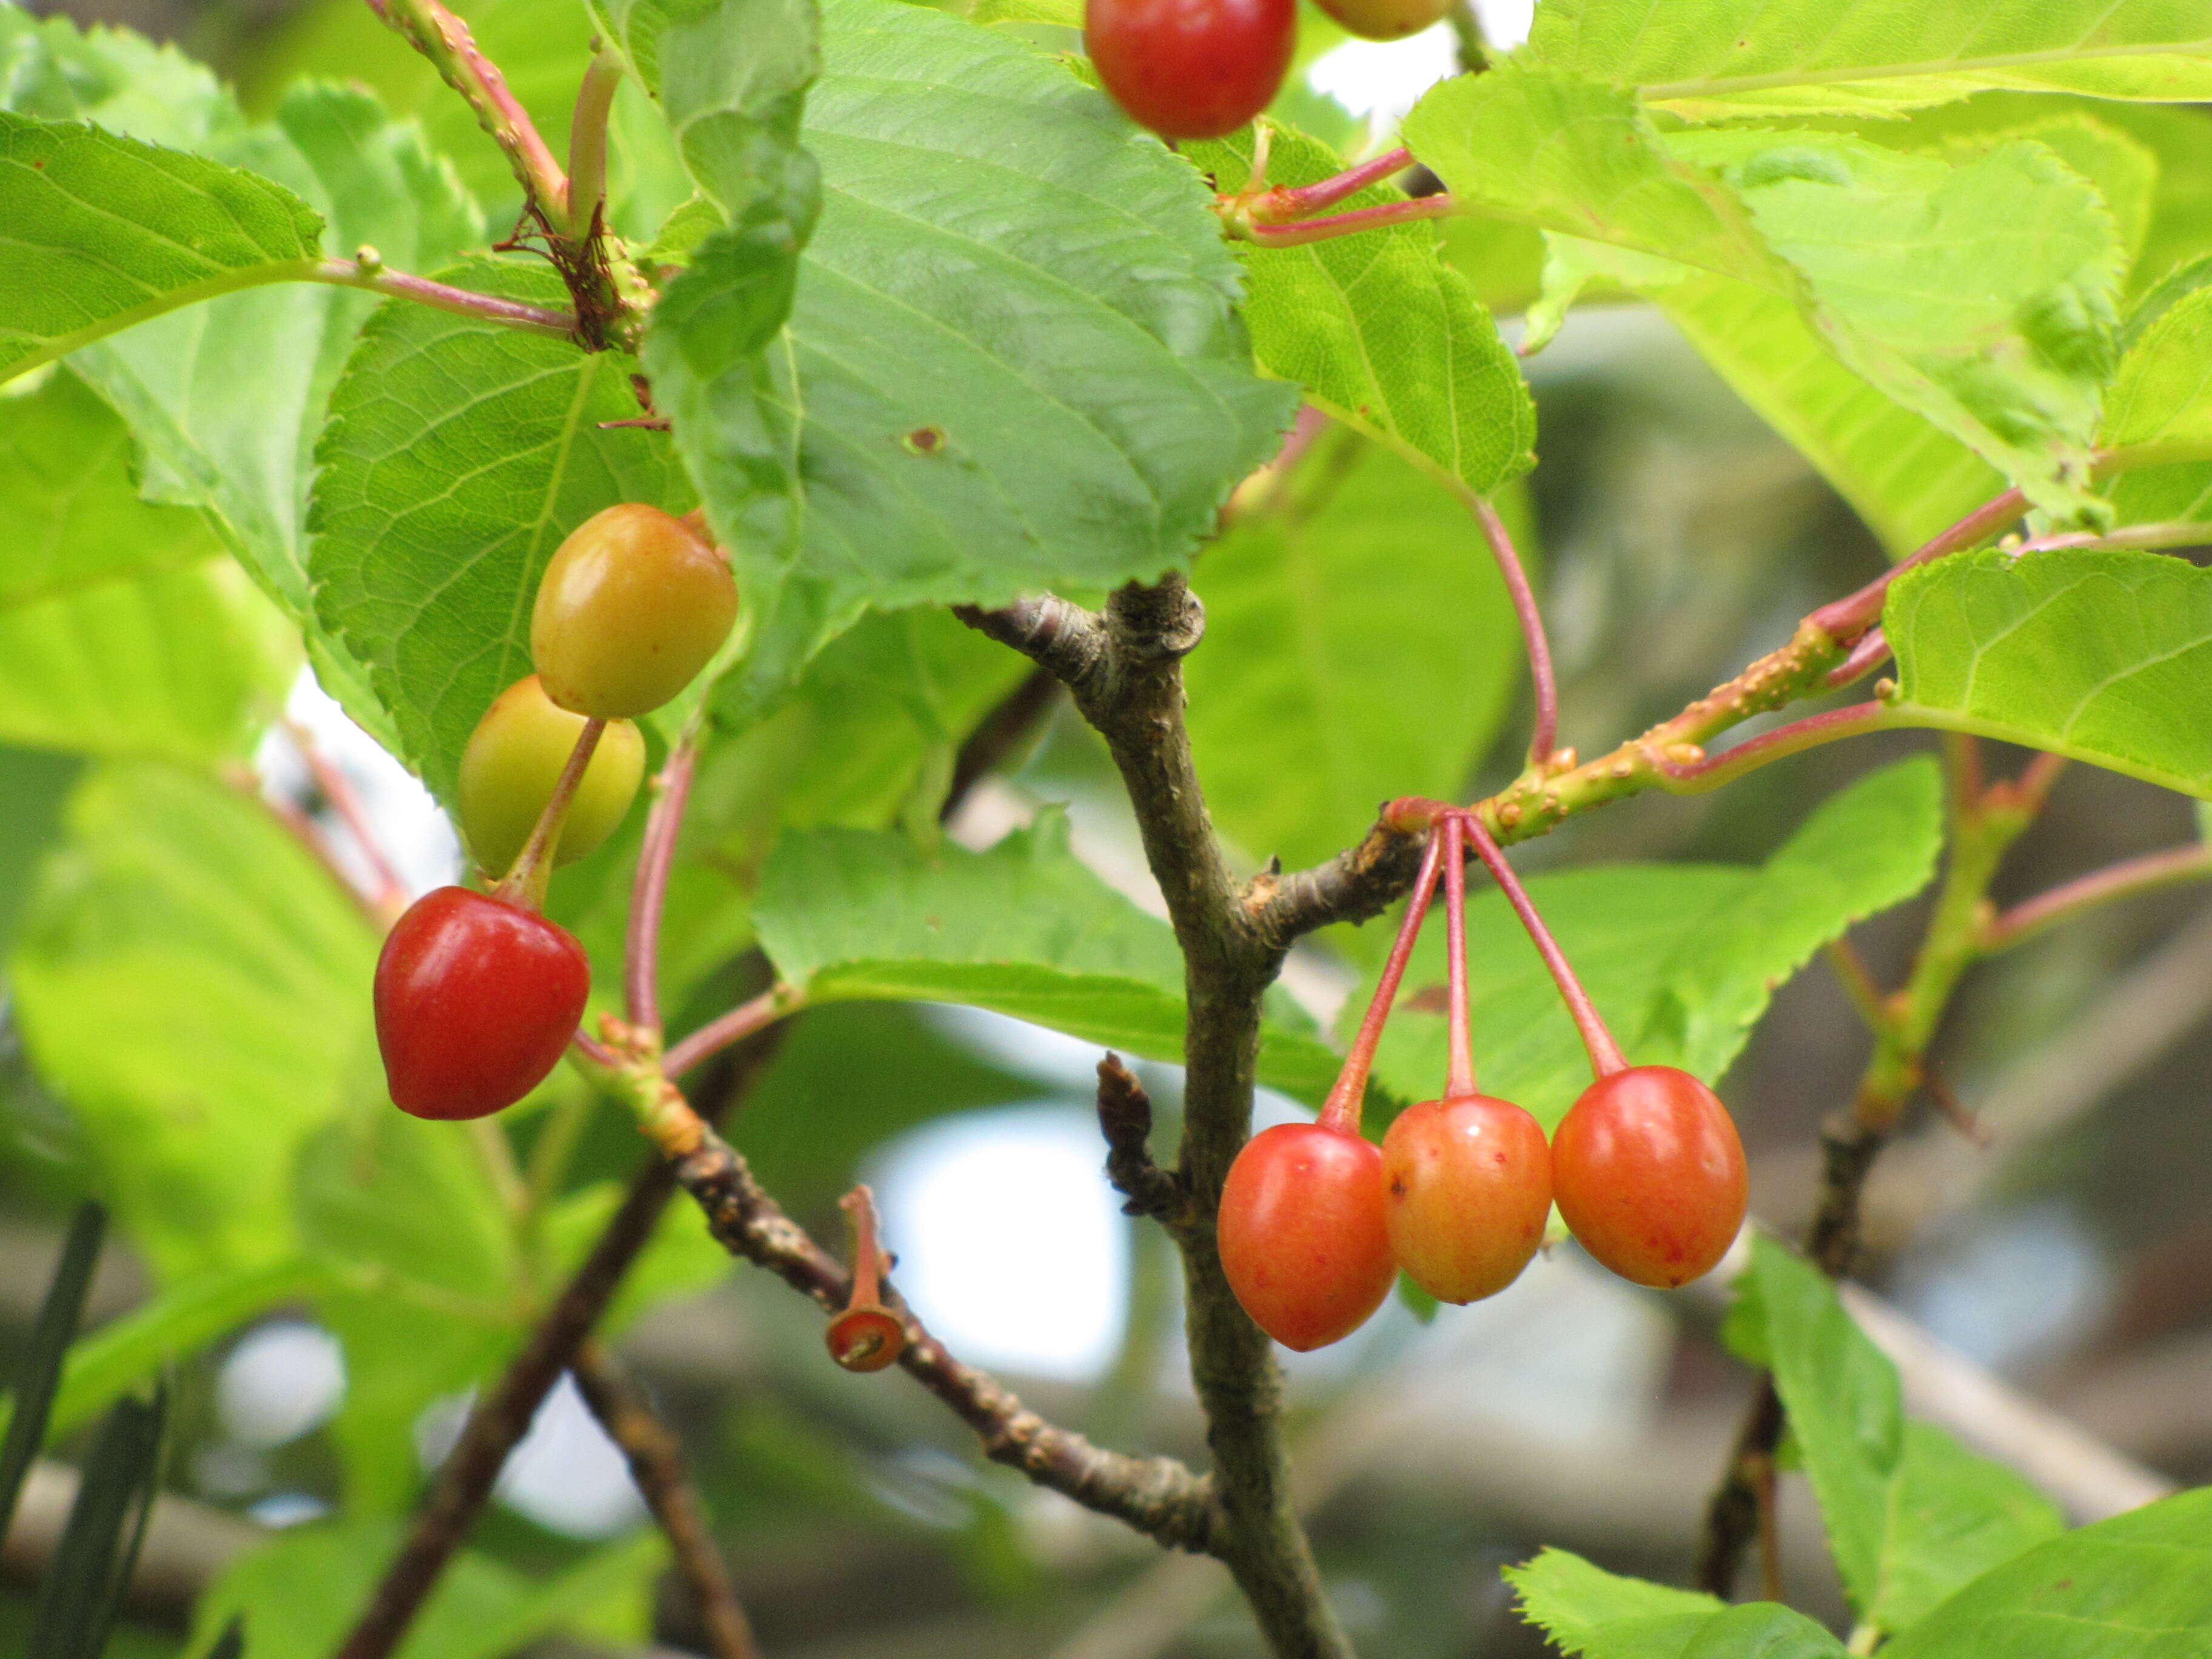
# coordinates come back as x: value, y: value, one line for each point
x: 1191, y: 69
x: 1468, y: 1180
x: 515, y: 756
x: 1302, y: 1234
x: 475, y: 999
x: 1650, y: 1175
x: 634, y: 604
x: 1385, y: 20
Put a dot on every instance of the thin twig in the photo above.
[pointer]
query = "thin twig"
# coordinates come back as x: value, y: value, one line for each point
x: 656, y: 1463
x: 1695, y: 777
x: 1545, y: 738
x: 503, y: 1415
x: 1850, y: 971
x: 446, y: 41
x: 1125, y: 1118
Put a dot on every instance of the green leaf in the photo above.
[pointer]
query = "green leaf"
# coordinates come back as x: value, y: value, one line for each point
x: 1911, y: 1514
x: 1717, y: 62
x: 301, y: 1592
x: 226, y: 402
x: 1902, y: 474
x: 31, y: 1393
x: 36, y: 786
x: 1378, y: 331
x: 1951, y: 1517
x: 105, y: 232
x: 1022, y: 928
x: 2138, y: 1586
x: 1595, y: 1614
x: 122, y: 628
x: 2163, y: 393
x: 174, y: 1323
x: 1013, y: 361
x: 113, y: 78
x: 1568, y: 153
x: 1680, y: 958
x: 2101, y: 655
x: 459, y: 453
x: 195, y: 986
x: 1846, y: 1414
x: 1321, y: 689
x: 1976, y: 288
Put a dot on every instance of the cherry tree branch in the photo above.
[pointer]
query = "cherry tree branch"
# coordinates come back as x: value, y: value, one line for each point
x: 1158, y: 1496
x: 656, y: 1463
x: 1123, y: 669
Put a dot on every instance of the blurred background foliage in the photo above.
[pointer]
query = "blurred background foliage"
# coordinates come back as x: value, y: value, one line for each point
x: 328, y: 1280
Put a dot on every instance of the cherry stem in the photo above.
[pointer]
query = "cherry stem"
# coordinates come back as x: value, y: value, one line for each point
x: 740, y: 1023
x: 587, y: 143
x: 1295, y: 201
x: 2062, y: 903
x: 391, y: 894
x: 1696, y: 777
x: 1349, y: 224
x: 524, y: 883
x: 1342, y: 1111
x: 1459, y: 1073
x: 1605, y: 1055
x: 368, y: 271
x: 860, y: 1206
x: 1848, y: 618
x: 664, y: 823
x: 1543, y: 741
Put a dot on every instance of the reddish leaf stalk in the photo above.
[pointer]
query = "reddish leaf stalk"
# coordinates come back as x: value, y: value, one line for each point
x: 1870, y: 654
x: 2146, y: 874
x: 1544, y: 740
x: 446, y: 41
x: 1459, y: 1074
x: 740, y: 1023
x: 524, y: 883
x: 656, y: 853
x: 368, y: 273
x: 1378, y: 217
x: 1695, y: 777
x: 1342, y: 1111
x: 1849, y: 617
x: 1605, y: 1055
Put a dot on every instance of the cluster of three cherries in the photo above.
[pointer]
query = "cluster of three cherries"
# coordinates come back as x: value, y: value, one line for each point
x: 1315, y: 1220
x: 477, y: 995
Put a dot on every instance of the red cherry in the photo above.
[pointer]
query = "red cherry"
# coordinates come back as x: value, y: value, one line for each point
x: 1191, y: 69
x: 1469, y: 1181
x: 1302, y: 1235
x: 1649, y: 1173
x: 475, y: 1000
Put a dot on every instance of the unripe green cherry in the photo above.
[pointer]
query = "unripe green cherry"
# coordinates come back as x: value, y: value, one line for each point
x: 1385, y: 20
x: 514, y: 758
x: 634, y: 604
